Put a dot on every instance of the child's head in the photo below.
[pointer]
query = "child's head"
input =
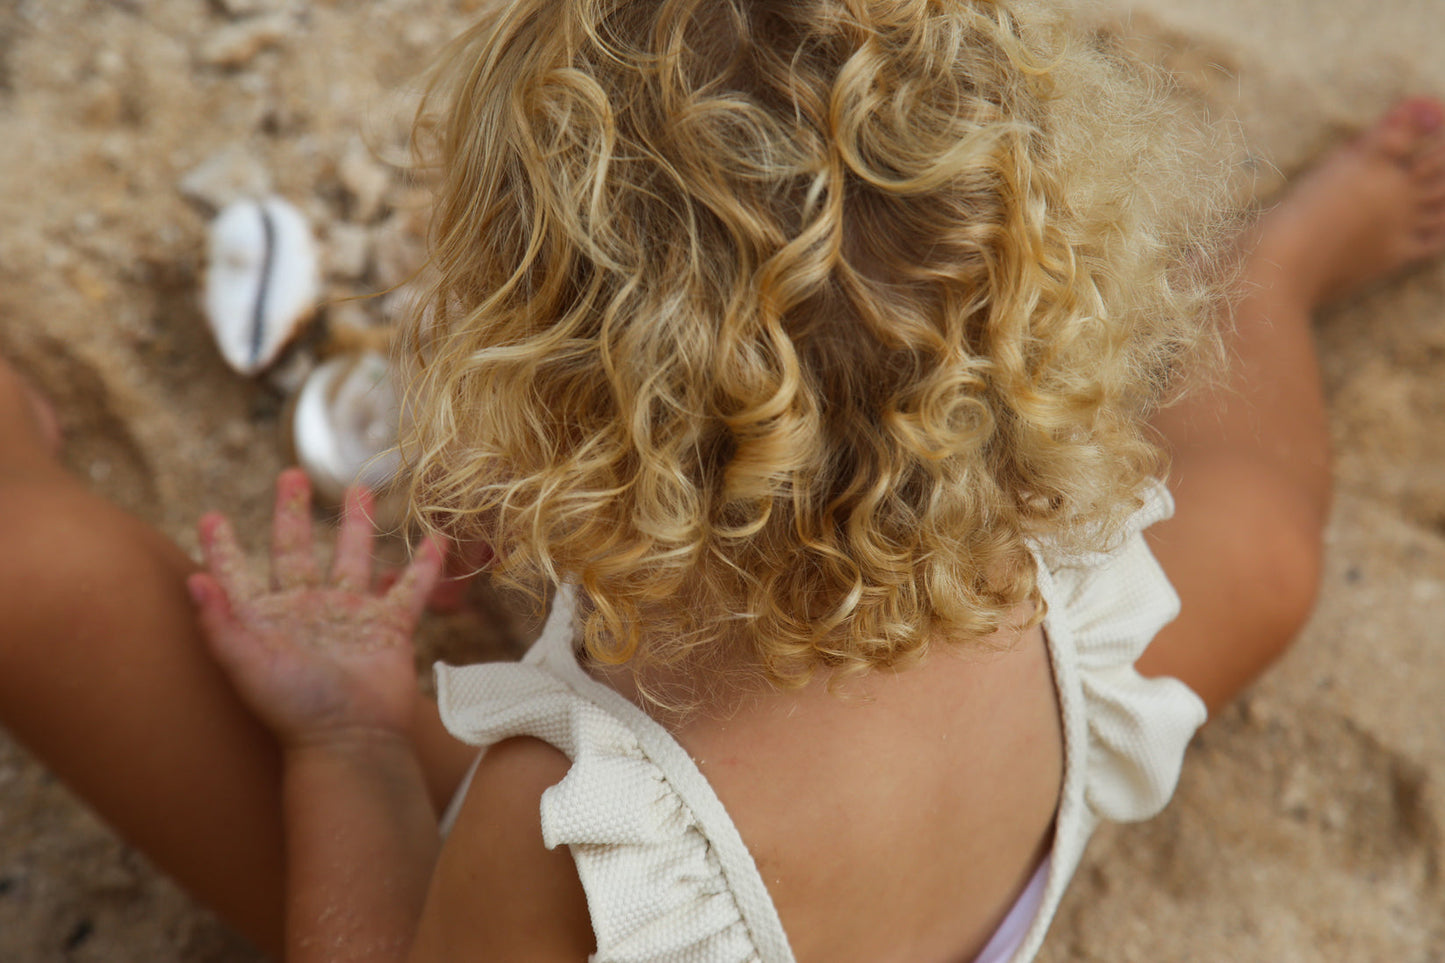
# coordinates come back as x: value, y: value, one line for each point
x: 791, y: 324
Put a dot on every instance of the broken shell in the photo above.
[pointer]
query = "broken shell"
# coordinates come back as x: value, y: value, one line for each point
x: 344, y: 428
x: 262, y: 281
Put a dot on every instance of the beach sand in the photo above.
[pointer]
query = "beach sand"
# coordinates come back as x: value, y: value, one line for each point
x: 1308, y: 822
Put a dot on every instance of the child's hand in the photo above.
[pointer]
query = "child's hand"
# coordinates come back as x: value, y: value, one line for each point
x: 314, y: 659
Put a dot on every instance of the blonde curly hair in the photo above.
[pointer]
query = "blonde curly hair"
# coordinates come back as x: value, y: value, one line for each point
x: 789, y: 327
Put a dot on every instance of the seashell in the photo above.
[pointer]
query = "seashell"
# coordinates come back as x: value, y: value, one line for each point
x: 261, y: 281
x: 344, y: 426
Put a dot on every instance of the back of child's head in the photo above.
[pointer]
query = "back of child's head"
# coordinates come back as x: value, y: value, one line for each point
x: 789, y: 327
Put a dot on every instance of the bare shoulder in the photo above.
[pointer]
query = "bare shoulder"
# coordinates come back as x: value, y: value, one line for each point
x: 498, y: 893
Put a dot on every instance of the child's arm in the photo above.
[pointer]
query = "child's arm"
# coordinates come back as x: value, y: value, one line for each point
x: 498, y: 893
x: 361, y: 846
x: 327, y: 665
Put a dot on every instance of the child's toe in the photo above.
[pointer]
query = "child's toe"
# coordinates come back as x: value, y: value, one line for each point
x: 1411, y: 127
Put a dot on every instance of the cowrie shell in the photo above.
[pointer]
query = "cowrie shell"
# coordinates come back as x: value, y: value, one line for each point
x: 261, y: 281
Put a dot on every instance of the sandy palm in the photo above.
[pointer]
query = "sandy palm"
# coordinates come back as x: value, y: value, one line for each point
x: 313, y: 657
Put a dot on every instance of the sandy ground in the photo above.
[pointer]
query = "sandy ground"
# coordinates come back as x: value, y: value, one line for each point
x: 1308, y: 823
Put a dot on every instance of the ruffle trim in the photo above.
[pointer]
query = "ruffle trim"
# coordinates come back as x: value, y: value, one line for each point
x: 655, y: 887
x: 1138, y: 727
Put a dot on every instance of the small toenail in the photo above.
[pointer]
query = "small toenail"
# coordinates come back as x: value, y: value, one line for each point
x: 1427, y: 116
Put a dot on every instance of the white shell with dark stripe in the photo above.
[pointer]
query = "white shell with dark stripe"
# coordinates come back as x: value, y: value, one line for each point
x: 261, y: 281
x: 344, y: 427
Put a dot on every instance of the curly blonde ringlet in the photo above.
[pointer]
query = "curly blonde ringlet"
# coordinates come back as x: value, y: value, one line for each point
x: 788, y: 327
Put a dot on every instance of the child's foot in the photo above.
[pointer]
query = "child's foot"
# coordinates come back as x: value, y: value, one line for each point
x: 1371, y: 208
x: 26, y: 416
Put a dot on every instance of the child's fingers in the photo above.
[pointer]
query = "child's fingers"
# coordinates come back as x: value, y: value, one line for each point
x: 293, y: 562
x: 351, y: 566
x: 417, y: 581
x: 224, y: 559
x: 223, y: 635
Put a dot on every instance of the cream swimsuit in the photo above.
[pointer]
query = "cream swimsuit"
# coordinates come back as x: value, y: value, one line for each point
x: 667, y: 877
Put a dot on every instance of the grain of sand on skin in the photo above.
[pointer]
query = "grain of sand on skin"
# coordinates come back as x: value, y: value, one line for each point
x: 1307, y: 823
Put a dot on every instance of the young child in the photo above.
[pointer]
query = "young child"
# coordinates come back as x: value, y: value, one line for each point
x: 815, y: 352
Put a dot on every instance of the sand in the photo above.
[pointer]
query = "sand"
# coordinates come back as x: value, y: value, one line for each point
x: 1308, y: 821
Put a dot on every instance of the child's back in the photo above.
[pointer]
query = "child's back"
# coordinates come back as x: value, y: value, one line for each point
x: 902, y: 820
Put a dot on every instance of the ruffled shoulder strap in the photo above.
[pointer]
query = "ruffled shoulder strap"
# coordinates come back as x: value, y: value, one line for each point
x: 666, y: 874
x: 1124, y: 735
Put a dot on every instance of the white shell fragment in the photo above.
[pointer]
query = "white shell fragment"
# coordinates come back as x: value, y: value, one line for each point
x: 345, y: 424
x: 261, y: 282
